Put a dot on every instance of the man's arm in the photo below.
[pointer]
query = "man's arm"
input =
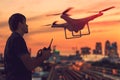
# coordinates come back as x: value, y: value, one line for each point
x: 32, y: 63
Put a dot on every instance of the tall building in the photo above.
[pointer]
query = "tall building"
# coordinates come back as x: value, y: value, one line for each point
x: 115, y: 48
x: 111, y: 49
x: 98, y: 48
x: 107, y: 47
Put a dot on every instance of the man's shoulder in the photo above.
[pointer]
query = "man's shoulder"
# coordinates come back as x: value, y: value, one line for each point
x: 15, y: 36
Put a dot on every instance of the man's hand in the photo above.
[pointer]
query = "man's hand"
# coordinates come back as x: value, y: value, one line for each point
x: 46, y: 54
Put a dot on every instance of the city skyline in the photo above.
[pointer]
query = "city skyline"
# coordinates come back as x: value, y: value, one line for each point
x: 92, y: 50
x: 103, y: 28
x: 99, y: 48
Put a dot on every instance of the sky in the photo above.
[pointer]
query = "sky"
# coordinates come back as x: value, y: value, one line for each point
x: 106, y: 27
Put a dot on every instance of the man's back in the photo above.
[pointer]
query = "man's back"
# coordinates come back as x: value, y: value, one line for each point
x: 14, y: 67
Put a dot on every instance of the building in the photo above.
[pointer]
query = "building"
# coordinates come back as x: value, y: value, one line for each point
x: 111, y: 49
x: 115, y: 48
x: 55, y: 55
x: 98, y: 48
x: 85, y: 50
x: 107, y: 47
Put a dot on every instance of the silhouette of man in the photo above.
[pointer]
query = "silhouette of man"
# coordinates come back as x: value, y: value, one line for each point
x: 18, y: 63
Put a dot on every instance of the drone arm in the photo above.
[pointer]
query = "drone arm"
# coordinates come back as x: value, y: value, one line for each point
x: 59, y: 25
x: 93, y: 17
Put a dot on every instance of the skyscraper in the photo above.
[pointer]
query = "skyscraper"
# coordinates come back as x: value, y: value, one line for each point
x: 98, y: 48
x: 107, y: 47
x: 111, y: 49
x: 115, y: 48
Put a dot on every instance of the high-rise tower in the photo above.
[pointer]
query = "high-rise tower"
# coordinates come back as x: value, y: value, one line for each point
x: 107, y: 47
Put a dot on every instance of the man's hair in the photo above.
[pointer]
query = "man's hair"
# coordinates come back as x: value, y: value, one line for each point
x: 14, y: 21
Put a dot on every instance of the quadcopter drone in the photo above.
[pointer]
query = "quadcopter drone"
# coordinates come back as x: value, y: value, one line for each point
x: 76, y: 25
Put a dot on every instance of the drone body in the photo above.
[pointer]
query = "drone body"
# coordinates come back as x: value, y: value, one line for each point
x: 76, y: 25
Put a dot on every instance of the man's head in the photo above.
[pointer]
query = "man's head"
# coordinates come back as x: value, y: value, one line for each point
x: 18, y: 22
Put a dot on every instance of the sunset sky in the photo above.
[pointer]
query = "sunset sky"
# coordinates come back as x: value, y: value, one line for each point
x: 106, y: 27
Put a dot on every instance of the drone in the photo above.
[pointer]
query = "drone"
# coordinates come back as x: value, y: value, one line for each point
x: 76, y: 25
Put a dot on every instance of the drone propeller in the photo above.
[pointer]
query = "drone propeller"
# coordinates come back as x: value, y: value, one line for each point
x: 54, y: 14
x: 47, y: 25
x: 106, y: 9
x: 67, y: 10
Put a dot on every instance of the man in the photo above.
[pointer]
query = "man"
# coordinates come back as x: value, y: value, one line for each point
x: 18, y: 63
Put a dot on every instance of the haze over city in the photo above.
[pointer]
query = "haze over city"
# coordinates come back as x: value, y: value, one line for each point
x: 106, y: 27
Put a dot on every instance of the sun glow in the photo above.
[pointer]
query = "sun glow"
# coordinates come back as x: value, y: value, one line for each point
x: 103, y: 28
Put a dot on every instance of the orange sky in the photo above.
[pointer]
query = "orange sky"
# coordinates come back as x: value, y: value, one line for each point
x: 106, y: 27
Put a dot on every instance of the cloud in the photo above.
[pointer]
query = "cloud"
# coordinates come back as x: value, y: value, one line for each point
x: 3, y: 36
x: 117, y: 13
x: 3, y: 24
x: 45, y: 30
x: 0, y: 35
x: 37, y: 17
x: 49, y: 29
x: 44, y: 18
x: 39, y: 44
x: 98, y: 31
x: 107, y: 3
x: 40, y: 17
x: 108, y: 22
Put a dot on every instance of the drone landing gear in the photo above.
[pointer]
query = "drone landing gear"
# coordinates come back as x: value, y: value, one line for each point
x: 77, y: 35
